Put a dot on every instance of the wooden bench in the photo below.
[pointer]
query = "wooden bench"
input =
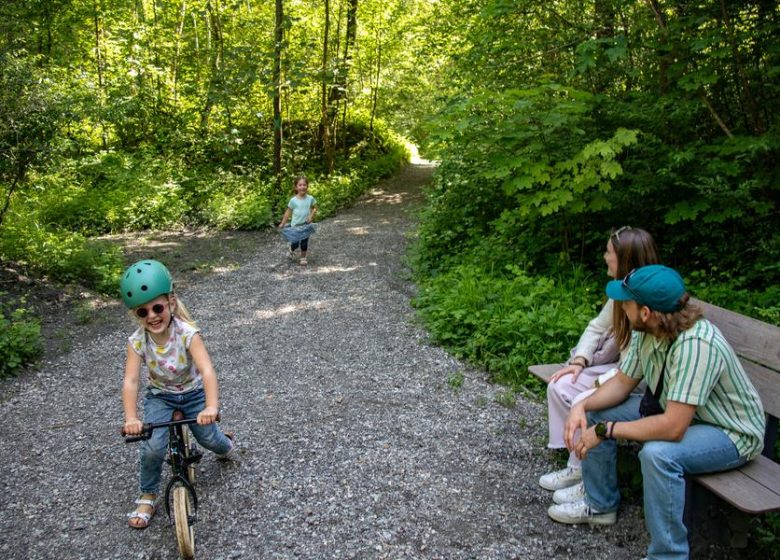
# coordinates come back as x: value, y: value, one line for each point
x: 755, y: 487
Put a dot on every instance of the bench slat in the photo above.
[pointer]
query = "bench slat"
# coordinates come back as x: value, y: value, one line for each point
x: 767, y: 383
x: 753, y: 488
x: 544, y: 371
x: 765, y: 472
x: 752, y: 339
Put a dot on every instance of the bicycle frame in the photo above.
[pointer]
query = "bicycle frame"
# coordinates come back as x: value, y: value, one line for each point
x: 177, y: 458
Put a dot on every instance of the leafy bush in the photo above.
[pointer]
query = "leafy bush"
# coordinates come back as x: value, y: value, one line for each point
x: 506, y: 320
x: 20, y: 337
x: 236, y: 202
x: 68, y: 257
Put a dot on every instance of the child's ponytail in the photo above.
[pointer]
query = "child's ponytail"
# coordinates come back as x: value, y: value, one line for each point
x: 182, y: 312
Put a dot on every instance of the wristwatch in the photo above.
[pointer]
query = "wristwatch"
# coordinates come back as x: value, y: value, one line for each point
x: 601, y: 430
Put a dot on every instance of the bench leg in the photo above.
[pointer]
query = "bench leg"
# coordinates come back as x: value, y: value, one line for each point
x: 770, y: 437
x: 688, y: 511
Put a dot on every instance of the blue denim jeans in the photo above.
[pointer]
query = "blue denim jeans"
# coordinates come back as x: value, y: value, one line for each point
x: 704, y: 448
x: 158, y: 408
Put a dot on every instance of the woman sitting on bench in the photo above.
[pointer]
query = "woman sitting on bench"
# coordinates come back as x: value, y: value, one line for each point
x: 596, y: 354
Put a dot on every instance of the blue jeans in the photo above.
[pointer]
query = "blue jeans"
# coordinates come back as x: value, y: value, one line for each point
x: 704, y: 448
x: 159, y: 408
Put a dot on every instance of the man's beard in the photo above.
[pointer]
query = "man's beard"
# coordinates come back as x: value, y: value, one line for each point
x: 639, y: 325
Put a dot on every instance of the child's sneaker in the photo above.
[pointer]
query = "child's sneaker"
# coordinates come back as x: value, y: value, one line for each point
x: 290, y: 254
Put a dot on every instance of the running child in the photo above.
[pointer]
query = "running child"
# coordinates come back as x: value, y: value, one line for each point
x: 180, y: 377
x: 300, y: 213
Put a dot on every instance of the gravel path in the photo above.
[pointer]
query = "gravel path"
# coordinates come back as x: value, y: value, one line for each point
x: 354, y: 443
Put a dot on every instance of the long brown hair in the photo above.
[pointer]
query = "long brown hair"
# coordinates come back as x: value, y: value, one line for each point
x: 634, y: 248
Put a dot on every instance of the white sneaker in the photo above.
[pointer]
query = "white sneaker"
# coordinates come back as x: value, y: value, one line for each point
x: 561, y: 479
x: 571, y: 494
x: 580, y: 512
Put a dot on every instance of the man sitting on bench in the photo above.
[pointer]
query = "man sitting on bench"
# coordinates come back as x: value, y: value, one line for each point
x: 703, y: 413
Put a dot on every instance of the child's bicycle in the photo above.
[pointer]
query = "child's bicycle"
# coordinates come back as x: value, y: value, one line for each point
x: 183, y: 453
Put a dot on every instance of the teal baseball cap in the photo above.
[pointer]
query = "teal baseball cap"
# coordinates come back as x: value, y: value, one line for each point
x: 657, y: 286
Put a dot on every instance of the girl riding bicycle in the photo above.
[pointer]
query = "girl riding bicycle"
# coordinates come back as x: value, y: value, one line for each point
x: 180, y: 377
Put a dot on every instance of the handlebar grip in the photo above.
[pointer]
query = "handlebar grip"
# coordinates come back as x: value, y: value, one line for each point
x: 146, y: 433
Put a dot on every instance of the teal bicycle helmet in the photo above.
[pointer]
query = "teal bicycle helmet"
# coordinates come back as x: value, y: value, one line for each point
x: 144, y: 281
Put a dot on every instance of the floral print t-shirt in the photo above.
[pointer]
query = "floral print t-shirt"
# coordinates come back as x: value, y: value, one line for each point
x: 170, y: 366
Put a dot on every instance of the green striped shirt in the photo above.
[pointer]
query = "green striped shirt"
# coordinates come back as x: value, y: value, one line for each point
x: 702, y: 370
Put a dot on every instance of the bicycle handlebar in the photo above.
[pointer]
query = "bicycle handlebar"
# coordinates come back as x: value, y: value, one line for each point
x: 146, y: 430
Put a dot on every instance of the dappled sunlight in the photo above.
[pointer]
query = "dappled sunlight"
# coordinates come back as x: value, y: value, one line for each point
x: 289, y: 308
x: 381, y: 197
x: 224, y: 269
x: 312, y: 268
x: 346, y: 219
x: 360, y: 230
x: 334, y: 269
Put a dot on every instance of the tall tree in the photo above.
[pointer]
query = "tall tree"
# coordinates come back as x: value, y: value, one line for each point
x: 327, y: 143
x: 277, y: 97
x: 100, y: 66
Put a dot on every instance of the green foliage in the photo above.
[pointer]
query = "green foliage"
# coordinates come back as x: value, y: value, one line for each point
x: 29, y: 115
x: 20, y: 337
x: 504, y: 319
x: 455, y: 380
x: 733, y: 292
x: 238, y: 202
x: 506, y: 399
x: 68, y: 257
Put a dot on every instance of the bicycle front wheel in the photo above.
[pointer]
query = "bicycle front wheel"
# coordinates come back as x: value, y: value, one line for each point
x: 183, y: 509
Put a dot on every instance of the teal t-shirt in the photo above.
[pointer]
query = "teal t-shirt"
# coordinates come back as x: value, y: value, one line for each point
x: 300, y: 209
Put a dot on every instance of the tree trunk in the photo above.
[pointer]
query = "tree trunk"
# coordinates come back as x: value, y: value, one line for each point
x: 347, y: 61
x: 177, y: 54
x: 664, y: 60
x: 215, y: 62
x: 325, y: 125
x: 375, y: 93
x: 755, y: 116
x: 21, y: 171
x: 101, y: 79
x: 277, y: 79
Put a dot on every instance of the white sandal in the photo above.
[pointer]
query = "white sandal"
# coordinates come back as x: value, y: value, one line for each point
x: 304, y: 262
x: 146, y: 517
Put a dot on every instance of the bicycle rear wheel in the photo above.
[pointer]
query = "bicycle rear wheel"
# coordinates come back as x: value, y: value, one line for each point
x: 183, y: 509
x: 189, y: 449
